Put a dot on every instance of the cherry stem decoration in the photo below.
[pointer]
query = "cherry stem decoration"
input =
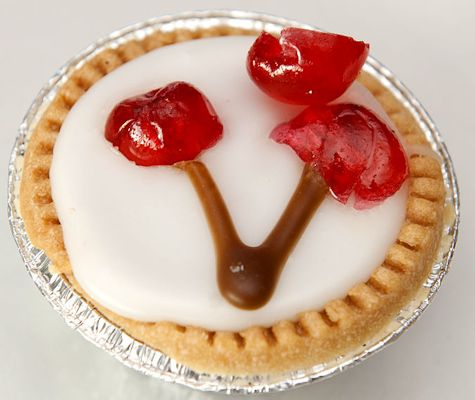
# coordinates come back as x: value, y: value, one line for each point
x: 247, y: 276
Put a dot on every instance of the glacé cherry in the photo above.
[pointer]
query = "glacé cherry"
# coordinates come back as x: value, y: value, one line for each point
x: 164, y: 126
x: 353, y: 150
x: 305, y: 66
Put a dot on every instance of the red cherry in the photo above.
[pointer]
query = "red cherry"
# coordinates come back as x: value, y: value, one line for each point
x: 305, y: 66
x: 164, y: 126
x: 353, y: 150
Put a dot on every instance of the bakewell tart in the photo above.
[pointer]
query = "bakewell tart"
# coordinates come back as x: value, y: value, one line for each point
x: 301, y: 213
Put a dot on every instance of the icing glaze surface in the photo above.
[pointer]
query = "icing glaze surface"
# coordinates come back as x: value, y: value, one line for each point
x: 137, y: 237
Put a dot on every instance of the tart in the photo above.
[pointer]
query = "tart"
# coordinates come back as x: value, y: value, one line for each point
x: 298, y: 340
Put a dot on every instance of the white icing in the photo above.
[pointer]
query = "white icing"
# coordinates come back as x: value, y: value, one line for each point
x: 137, y: 237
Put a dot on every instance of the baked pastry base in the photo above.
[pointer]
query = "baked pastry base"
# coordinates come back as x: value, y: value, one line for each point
x: 314, y: 336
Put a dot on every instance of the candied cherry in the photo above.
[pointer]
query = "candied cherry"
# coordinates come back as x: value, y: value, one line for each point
x: 164, y: 126
x: 352, y: 149
x: 305, y: 66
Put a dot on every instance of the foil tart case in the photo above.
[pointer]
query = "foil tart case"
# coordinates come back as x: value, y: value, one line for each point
x: 94, y: 327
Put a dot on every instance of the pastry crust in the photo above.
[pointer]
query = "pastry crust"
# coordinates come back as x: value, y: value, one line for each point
x: 314, y: 336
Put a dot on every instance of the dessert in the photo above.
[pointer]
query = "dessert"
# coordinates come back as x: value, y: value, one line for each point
x: 292, y: 336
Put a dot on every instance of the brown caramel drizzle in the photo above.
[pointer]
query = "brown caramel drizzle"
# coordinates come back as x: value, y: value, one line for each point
x: 247, y: 276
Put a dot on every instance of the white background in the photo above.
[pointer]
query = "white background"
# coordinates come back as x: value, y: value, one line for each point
x: 430, y: 46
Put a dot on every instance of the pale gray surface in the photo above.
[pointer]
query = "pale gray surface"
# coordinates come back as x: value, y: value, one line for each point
x: 431, y: 49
